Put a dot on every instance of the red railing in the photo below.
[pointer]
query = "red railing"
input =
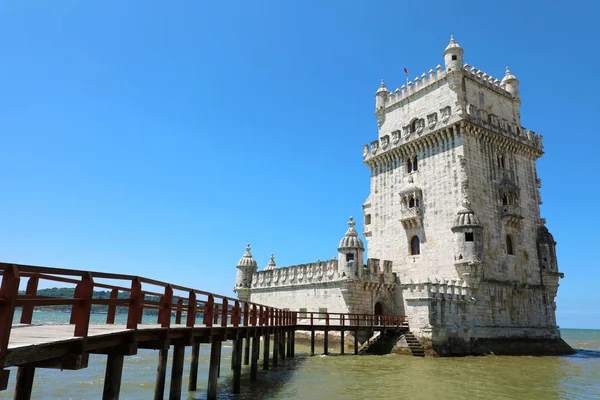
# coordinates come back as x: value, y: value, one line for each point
x: 214, y: 309
x: 172, y: 302
x: 318, y: 319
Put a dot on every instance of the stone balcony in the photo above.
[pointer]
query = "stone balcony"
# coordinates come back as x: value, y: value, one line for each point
x: 410, y: 217
x: 511, y: 214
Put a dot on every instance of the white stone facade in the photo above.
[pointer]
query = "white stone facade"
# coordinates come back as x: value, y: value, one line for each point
x: 454, y: 207
x: 341, y: 285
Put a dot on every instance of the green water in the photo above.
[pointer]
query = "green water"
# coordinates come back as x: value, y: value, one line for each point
x: 351, y: 377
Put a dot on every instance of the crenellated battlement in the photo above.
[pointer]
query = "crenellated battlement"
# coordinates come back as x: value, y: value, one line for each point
x: 486, y: 80
x: 410, y: 89
x: 436, y: 289
x: 495, y: 126
x: 303, y: 274
x: 321, y: 272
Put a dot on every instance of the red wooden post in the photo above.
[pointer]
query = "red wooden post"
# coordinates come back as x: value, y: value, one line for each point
x: 135, y: 301
x: 261, y: 319
x: 216, y: 314
x: 192, y: 310
x: 208, y: 311
x: 327, y: 319
x: 246, y: 314
x: 164, y: 310
x: 311, y: 319
x: 342, y: 319
x: 253, y: 315
x: 235, y: 317
x: 141, y: 312
x: 179, y: 311
x: 224, y: 313
x: 82, y: 309
x: 8, y: 294
x: 27, y: 312
x: 112, y: 308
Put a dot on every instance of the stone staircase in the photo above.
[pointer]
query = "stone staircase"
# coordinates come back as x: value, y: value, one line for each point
x: 415, y: 346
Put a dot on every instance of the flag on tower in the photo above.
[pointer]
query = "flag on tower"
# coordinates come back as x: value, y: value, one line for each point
x: 405, y: 71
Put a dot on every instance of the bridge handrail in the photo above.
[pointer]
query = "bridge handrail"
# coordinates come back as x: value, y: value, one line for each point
x: 227, y: 312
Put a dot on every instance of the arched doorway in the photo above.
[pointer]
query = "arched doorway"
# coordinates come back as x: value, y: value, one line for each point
x: 378, y: 311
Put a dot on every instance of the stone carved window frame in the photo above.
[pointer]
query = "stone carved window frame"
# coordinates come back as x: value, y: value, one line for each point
x: 414, y: 245
x: 510, y: 245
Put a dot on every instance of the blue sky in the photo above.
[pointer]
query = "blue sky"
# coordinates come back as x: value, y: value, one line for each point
x: 157, y: 138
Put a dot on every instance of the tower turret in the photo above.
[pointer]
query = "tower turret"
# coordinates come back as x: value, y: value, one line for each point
x: 351, y: 253
x: 546, y: 250
x: 511, y: 84
x: 245, y: 269
x: 453, y: 56
x: 468, y: 236
x: 381, y: 96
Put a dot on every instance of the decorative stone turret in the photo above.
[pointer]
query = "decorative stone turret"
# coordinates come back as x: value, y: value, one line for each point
x: 511, y: 84
x: 351, y: 253
x: 453, y: 56
x: 381, y: 96
x: 271, y: 265
x: 549, y: 274
x: 468, y: 245
x: 246, y: 268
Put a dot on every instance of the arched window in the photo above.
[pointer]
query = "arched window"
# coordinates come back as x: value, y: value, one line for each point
x: 409, y: 166
x: 504, y: 200
x: 411, y: 202
x: 509, y: 245
x: 415, y: 246
x: 415, y: 163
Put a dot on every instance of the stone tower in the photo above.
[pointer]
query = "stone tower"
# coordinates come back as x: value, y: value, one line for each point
x: 454, y: 203
x: 351, y: 253
x: 246, y: 268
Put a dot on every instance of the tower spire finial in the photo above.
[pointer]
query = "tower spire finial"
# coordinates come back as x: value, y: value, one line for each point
x: 351, y: 223
x: 452, y: 39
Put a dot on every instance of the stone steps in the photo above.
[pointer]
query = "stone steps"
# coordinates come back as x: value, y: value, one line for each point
x: 415, y: 346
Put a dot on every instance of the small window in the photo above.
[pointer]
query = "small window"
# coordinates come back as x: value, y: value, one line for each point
x: 411, y: 202
x: 454, y: 58
x: 501, y: 161
x: 469, y: 237
x: 409, y: 166
x: 350, y: 257
x: 415, y: 163
x: 415, y: 246
x: 504, y: 200
x: 302, y: 313
x: 368, y: 219
x: 509, y: 245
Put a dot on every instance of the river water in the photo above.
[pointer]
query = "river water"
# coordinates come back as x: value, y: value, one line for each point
x: 349, y: 377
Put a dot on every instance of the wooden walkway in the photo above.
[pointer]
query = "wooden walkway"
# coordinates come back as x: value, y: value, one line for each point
x: 31, y: 346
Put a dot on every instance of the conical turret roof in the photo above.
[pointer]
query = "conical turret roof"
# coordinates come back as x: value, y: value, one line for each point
x: 247, y: 260
x: 351, y: 240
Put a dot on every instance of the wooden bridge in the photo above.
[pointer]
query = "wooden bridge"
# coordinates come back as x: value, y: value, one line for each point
x: 184, y: 317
